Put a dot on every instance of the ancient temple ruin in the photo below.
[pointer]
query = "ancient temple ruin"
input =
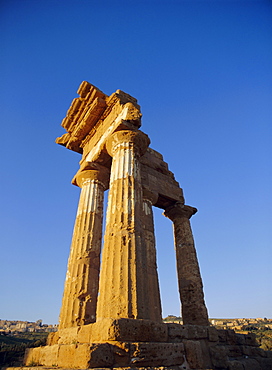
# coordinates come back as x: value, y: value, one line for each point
x: 111, y: 308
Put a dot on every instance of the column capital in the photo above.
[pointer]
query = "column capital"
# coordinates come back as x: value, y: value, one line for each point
x: 126, y: 139
x: 100, y: 175
x: 179, y: 210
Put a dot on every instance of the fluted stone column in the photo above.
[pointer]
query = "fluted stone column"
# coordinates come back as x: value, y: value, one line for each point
x: 82, y: 278
x: 194, y: 310
x: 122, y: 287
x: 149, y: 199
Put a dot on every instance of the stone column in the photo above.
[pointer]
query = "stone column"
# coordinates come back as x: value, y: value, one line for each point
x: 149, y: 199
x: 122, y: 288
x: 194, y: 310
x: 82, y: 278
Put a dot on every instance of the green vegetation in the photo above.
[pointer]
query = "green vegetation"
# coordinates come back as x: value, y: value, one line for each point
x: 262, y: 332
x: 265, y: 339
x: 263, y: 335
x: 12, y: 348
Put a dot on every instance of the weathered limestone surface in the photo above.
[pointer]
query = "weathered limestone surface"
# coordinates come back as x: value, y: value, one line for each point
x: 157, y: 178
x: 81, y: 286
x: 111, y: 312
x: 191, y: 346
x: 82, y: 116
x: 194, y: 310
x: 152, y: 281
x: 123, y: 290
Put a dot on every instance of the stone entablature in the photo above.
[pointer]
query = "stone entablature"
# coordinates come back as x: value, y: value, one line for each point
x: 89, y: 129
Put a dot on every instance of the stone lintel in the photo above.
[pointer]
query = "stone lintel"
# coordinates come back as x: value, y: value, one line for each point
x: 168, y: 190
x: 157, y: 177
x: 154, y: 159
x: 150, y: 195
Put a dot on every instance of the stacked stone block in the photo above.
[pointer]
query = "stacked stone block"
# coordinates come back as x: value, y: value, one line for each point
x: 134, y: 343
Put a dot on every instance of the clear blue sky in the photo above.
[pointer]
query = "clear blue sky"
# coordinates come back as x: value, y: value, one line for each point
x: 201, y: 71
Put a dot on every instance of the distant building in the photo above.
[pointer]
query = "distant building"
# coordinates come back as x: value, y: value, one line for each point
x: 13, y: 327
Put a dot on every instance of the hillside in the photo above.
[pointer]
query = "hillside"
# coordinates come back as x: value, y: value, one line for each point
x: 12, y: 347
